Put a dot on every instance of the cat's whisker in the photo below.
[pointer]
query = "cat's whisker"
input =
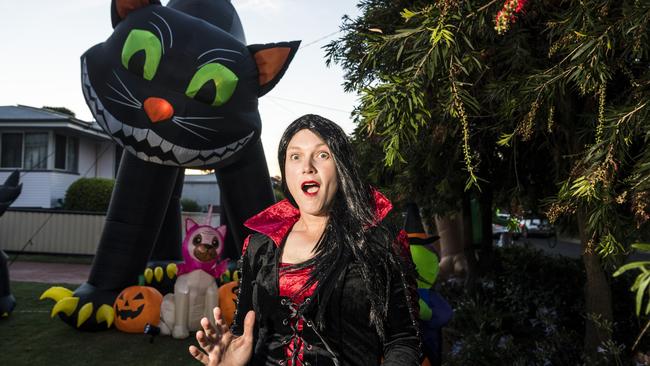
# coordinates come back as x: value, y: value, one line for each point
x: 162, y: 39
x: 215, y: 50
x: 179, y: 117
x: 133, y: 101
x: 216, y: 59
x: 171, y: 35
x: 124, y: 86
x: 195, y: 125
x: 178, y: 123
x: 123, y: 103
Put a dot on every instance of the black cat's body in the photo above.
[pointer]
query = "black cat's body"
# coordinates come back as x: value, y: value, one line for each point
x: 141, y: 85
x: 9, y: 192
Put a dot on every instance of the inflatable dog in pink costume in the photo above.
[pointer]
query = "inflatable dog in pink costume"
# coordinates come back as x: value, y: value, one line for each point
x: 195, y: 292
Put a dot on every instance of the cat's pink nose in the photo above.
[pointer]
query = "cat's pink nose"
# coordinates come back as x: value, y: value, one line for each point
x: 158, y: 109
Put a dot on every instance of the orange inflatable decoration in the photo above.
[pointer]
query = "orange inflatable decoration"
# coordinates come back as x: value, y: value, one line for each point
x: 136, y: 306
x: 228, y: 300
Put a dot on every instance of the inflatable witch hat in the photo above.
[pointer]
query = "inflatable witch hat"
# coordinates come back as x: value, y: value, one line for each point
x: 414, y: 229
x: 425, y: 258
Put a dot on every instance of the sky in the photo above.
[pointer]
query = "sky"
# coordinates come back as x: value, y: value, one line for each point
x: 41, y: 42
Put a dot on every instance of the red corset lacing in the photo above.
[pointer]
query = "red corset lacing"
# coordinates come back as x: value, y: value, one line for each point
x: 291, y: 281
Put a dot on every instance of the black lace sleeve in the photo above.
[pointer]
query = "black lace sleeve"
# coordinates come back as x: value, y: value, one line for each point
x: 402, y: 345
x: 244, y: 297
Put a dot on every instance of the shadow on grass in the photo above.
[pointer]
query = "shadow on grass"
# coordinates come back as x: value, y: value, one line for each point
x: 30, y: 337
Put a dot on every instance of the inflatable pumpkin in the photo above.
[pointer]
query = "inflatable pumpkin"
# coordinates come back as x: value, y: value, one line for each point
x: 136, y: 306
x: 228, y: 300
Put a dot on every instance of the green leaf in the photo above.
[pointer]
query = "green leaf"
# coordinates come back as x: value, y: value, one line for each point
x: 644, y: 247
x: 640, y: 292
x: 629, y: 266
x: 407, y: 14
x: 505, y: 138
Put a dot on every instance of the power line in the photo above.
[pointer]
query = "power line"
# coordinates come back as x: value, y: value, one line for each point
x: 319, y: 39
x: 307, y: 103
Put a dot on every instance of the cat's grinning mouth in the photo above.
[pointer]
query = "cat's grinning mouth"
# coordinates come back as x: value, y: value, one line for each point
x: 136, y: 140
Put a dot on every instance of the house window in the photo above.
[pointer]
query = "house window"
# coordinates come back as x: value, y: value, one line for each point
x: 35, y: 151
x: 66, y: 153
x: 11, y: 155
x: 24, y: 150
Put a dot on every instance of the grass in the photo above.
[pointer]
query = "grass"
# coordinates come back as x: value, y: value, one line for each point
x: 30, y: 337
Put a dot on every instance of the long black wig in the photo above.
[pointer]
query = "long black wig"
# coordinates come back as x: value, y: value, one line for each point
x: 352, y: 232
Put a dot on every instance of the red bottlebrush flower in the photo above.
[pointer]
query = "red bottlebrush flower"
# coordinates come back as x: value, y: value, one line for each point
x: 520, y: 5
x: 506, y: 15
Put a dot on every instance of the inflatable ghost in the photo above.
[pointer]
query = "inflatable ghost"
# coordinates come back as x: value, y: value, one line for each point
x: 177, y: 87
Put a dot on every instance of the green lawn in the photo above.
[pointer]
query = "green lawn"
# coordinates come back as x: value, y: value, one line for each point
x: 30, y: 337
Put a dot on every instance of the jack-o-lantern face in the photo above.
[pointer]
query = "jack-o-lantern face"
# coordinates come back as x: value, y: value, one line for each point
x: 136, y: 306
x: 228, y: 300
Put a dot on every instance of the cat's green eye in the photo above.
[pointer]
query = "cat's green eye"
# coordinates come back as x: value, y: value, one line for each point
x: 143, y: 40
x: 213, y: 83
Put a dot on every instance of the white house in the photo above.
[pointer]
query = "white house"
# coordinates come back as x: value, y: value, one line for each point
x: 202, y: 188
x: 51, y: 149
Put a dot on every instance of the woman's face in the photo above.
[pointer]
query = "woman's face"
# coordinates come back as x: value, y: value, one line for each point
x: 310, y: 173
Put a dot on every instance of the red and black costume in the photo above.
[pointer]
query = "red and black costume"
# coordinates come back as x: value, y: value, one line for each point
x: 287, y: 330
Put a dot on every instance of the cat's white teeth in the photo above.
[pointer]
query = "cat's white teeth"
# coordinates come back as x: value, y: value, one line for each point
x: 184, y: 155
x: 153, y: 139
x: 142, y: 156
x: 113, y: 124
x: 206, y: 153
x: 139, y: 134
x: 212, y: 160
x: 155, y: 159
x: 195, y: 163
x: 100, y: 121
x: 220, y: 150
x: 127, y: 130
x: 130, y: 149
x: 165, y: 146
x: 227, y: 154
x: 233, y: 145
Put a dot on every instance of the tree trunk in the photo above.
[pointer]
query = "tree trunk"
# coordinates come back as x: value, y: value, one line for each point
x: 598, y: 295
x: 468, y: 243
x: 452, y: 250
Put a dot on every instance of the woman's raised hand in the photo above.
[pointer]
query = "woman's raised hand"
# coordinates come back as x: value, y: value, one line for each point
x: 219, y: 346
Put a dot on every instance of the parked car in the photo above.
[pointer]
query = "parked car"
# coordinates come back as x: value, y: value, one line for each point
x: 504, y: 223
x: 538, y: 227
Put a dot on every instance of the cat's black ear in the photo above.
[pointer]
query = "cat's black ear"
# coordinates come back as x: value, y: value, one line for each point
x: 121, y: 8
x: 272, y: 61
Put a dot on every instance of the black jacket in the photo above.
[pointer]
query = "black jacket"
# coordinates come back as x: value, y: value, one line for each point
x: 345, y: 336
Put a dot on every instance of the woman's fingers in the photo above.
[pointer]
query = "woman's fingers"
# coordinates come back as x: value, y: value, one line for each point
x: 249, y: 324
x: 217, y: 314
x: 210, y: 331
x: 200, y: 356
x: 204, y: 342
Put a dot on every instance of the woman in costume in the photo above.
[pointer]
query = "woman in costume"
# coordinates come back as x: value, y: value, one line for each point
x: 323, y: 281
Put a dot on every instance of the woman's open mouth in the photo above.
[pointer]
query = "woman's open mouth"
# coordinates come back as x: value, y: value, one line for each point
x: 310, y: 187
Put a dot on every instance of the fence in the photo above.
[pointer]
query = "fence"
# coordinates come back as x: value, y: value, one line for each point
x: 59, y: 232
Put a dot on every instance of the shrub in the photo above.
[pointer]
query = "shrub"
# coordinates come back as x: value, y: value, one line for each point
x: 190, y: 205
x: 529, y: 310
x: 526, y: 311
x: 89, y: 194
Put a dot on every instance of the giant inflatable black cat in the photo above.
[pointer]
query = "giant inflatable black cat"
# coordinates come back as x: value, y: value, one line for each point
x: 177, y: 87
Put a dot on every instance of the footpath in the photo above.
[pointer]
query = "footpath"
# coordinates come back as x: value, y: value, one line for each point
x: 56, y: 273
